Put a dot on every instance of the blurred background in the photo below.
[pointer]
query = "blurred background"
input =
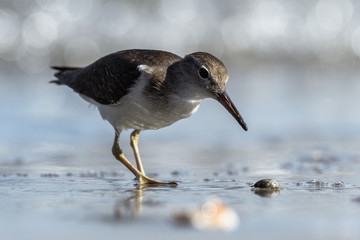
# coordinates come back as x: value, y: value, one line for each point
x: 294, y: 76
x: 294, y: 66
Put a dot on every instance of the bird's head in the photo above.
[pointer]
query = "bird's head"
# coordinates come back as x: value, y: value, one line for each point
x: 209, y: 76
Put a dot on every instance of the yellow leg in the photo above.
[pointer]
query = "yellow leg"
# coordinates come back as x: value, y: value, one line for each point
x: 134, y: 139
x: 142, y: 178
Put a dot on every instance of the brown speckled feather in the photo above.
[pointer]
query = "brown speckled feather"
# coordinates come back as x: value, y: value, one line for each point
x: 108, y: 79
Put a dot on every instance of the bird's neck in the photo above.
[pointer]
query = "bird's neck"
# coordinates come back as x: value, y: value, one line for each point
x: 172, y: 94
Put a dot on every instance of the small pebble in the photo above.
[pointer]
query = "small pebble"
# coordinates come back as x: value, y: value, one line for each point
x: 49, y: 175
x: 232, y: 172
x: 268, y: 184
x: 21, y: 175
x: 338, y: 183
x: 316, y: 182
x: 266, y: 188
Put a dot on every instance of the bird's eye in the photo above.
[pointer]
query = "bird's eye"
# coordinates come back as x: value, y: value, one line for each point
x: 203, y: 73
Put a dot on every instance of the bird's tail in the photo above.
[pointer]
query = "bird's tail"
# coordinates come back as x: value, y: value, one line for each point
x: 61, y: 72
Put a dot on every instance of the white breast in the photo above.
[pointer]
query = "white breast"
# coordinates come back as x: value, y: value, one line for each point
x: 136, y: 111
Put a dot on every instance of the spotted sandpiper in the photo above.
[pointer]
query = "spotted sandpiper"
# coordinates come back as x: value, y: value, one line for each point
x: 148, y: 89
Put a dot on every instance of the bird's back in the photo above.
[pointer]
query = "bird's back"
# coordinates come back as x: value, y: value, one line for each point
x: 108, y: 79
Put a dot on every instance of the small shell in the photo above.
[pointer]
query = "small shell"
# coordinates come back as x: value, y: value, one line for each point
x: 212, y: 215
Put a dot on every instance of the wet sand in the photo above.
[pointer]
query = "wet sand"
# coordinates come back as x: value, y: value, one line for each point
x: 88, y: 195
x: 58, y: 178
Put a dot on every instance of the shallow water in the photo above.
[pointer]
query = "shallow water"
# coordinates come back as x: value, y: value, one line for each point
x: 88, y: 195
x: 58, y: 178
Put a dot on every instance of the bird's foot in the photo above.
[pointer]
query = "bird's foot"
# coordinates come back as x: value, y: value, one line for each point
x: 145, y: 180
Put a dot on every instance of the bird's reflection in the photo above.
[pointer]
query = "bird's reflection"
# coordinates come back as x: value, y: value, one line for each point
x: 266, y: 192
x: 131, y: 207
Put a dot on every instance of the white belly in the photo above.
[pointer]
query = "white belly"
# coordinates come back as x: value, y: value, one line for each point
x: 136, y: 112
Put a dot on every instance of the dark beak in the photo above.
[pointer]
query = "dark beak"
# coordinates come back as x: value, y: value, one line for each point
x: 225, y: 100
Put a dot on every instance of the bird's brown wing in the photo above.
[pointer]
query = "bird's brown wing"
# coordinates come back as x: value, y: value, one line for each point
x: 108, y: 79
